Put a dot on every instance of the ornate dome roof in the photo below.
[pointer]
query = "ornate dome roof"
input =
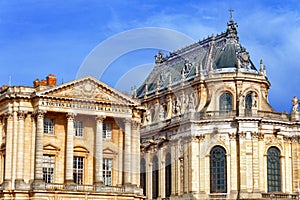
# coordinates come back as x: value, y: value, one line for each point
x: 216, y: 54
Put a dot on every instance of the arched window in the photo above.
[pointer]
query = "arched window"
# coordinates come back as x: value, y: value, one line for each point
x: 274, y: 178
x: 168, y: 177
x: 225, y: 101
x: 218, y: 170
x: 143, y: 176
x: 155, y: 178
x: 248, y: 101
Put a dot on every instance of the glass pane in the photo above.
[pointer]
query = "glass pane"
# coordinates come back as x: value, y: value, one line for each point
x: 218, y: 168
x: 225, y: 101
x: 273, y: 164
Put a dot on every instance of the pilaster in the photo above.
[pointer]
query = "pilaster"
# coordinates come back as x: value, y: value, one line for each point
x: 243, y: 161
x: 194, y: 167
x: 233, y: 186
x: 8, y: 150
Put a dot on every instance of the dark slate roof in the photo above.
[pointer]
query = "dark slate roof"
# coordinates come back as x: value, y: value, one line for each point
x: 219, y: 53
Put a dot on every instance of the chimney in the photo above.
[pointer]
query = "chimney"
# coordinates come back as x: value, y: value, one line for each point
x: 51, y: 80
x: 36, y: 83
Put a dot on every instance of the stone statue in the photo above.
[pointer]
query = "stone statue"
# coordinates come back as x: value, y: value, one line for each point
x: 186, y: 102
x: 161, y: 112
x: 295, y: 104
x: 192, y: 102
x: 148, y: 116
x: 159, y: 58
x: 174, y: 107
x: 254, y: 100
x: 241, y: 100
x: 178, y: 106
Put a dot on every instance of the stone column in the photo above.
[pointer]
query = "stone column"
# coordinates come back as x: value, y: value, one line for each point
x: 98, y: 176
x: 8, y: 150
x: 127, y: 152
x: 120, y: 157
x: 14, y: 145
x: 69, y: 148
x: 135, y: 155
x: 39, y: 145
x: 20, y: 155
x: 32, y: 150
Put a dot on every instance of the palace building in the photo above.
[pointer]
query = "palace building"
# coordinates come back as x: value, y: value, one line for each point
x: 199, y: 127
x: 78, y: 140
x: 209, y: 131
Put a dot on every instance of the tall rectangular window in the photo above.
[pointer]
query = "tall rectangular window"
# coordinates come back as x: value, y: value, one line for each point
x: 49, y: 126
x: 78, y: 170
x: 107, y: 131
x: 107, y: 171
x: 78, y: 128
x: 48, y: 168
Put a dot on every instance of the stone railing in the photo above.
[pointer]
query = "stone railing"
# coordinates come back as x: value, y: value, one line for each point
x: 90, y: 188
x: 279, y: 196
x: 273, y: 115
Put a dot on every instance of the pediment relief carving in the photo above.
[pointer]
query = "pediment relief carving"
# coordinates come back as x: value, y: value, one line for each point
x: 87, y: 88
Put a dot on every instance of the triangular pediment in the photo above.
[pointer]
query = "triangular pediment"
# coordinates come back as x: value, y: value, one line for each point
x: 87, y: 89
x: 109, y: 151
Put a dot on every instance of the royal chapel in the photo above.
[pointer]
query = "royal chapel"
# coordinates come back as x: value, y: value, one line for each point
x: 199, y: 127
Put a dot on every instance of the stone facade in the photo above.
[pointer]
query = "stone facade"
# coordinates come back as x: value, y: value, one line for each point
x: 64, y: 124
x: 207, y: 109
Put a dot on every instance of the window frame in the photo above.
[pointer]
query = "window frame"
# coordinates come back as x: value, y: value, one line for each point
x: 274, y: 171
x: 218, y: 170
x: 107, y: 131
x: 48, y: 168
x: 78, y: 128
x: 226, y: 102
x: 143, y: 176
x: 78, y: 170
x: 155, y: 178
x: 168, y: 175
x: 107, y: 171
x: 49, y: 125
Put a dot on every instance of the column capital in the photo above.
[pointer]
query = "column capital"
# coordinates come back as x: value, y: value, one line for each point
x: 8, y: 115
x: 100, y: 118
x: 127, y: 120
x: 39, y: 113
x: 21, y: 114
x: 70, y: 115
x: 135, y: 123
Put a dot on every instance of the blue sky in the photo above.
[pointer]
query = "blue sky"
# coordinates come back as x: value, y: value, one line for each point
x: 38, y: 37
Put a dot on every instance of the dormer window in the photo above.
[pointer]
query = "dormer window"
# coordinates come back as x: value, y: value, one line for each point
x: 225, y: 102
